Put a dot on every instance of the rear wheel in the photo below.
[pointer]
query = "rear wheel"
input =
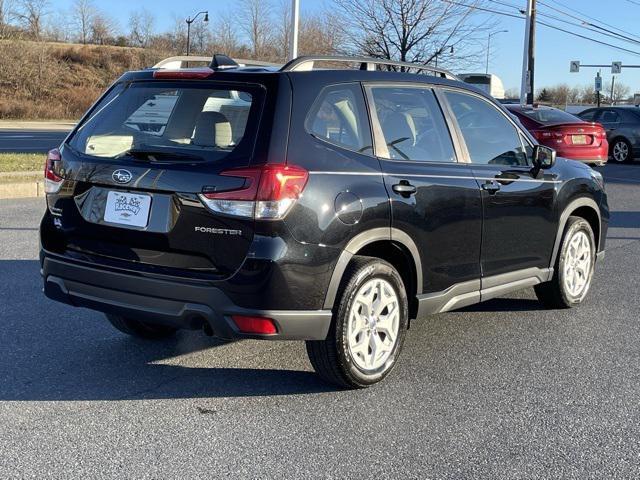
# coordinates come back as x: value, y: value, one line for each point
x: 574, y: 267
x: 368, y: 327
x: 621, y: 151
x: 139, y: 329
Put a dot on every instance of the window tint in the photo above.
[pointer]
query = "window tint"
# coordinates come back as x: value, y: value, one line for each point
x: 339, y: 117
x: 608, y: 116
x: 153, y: 115
x: 589, y: 115
x: 491, y: 139
x: 186, y: 118
x: 412, y: 125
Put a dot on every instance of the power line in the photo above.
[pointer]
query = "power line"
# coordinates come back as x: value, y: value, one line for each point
x: 586, y: 22
x: 571, y: 9
x: 587, y: 25
x: 554, y: 27
x: 584, y: 25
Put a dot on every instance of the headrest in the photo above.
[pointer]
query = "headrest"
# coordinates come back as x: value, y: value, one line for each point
x: 212, y: 130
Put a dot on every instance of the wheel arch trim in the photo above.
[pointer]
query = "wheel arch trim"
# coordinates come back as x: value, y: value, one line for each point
x: 564, y: 217
x: 363, y: 239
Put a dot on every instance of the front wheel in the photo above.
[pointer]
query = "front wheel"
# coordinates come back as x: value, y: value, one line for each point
x: 574, y: 267
x: 368, y: 327
x: 621, y: 151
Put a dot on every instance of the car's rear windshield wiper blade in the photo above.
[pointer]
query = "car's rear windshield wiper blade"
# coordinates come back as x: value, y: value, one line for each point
x: 149, y: 154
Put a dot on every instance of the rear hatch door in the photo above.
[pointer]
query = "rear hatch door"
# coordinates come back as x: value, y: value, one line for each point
x: 134, y: 169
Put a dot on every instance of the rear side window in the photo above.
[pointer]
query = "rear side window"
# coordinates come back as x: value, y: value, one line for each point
x: 490, y: 137
x: 589, y: 115
x: 190, y: 120
x: 609, y: 116
x: 411, y: 124
x: 339, y: 116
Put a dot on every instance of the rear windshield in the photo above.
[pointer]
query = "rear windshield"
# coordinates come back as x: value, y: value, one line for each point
x: 549, y: 116
x: 191, y: 120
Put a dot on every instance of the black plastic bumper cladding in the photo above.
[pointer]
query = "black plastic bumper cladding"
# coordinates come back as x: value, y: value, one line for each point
x: 179, y: 304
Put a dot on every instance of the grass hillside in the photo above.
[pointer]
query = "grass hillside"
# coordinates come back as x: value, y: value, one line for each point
x: 42, y: 80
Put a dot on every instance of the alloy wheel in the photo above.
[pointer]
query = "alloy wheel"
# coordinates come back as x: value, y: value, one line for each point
x: 373, y: 324
x: 620, y: 151
x: 577, y: 265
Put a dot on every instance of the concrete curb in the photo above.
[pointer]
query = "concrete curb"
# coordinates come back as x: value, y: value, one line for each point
x: 22, y: 190
x: 16, y: 126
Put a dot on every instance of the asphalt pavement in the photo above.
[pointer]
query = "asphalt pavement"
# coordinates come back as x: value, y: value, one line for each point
x: 503, y: 389
x: 32, y: 138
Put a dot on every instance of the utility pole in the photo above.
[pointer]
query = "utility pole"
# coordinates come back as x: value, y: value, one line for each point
x: 613, y: 82
x: 532, y: 53
x: 295, y: 17
x: 526, y: 85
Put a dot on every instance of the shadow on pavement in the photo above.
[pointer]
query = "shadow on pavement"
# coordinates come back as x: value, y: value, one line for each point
x: 625, y: 220
x: 505, y: 305
x: 55, y: 352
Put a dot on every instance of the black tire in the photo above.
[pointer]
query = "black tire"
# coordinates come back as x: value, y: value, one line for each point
x: 332, y: 358
x: 624, y: 145
x: 139, y: 329
x: 555, y: 293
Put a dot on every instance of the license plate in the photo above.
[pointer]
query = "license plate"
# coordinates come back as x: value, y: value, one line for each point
x: 127, y: 209
x: 579, y: 139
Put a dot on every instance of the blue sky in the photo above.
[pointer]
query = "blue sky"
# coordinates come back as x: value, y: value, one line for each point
x: 553, y: 53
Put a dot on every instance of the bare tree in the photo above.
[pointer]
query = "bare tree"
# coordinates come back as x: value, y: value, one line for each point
x: 83, y: 12
x: 102, y: 28
x: 620, y: 92
x: 255, y: 20
x: 5, y: 8
x: 31, y: 14
x: 225, y: 37
x: 319, y: 34
x: 283, y: 30
x: 418, y: 31
x: 141, y: 24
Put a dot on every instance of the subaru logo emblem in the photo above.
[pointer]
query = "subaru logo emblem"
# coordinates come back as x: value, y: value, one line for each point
x: 121, y: 176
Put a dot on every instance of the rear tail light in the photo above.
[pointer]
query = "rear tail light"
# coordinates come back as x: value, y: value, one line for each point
x: 52, y: 181
x: 268, y: 193
x: 259, y: 325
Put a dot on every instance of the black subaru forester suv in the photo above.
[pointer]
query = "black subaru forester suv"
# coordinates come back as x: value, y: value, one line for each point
x: 328, y: 205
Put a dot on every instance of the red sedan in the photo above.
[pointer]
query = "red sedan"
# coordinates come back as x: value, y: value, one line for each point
x: 570, y: 136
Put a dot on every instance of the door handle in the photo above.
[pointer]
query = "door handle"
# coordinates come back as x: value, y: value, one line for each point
x: 404, y: 188
x: 491, y: 187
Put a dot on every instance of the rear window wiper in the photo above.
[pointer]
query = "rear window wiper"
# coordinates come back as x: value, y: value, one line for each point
x: 155, y: 155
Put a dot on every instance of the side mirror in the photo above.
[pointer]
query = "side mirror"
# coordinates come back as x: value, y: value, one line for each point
x: 543, y: 157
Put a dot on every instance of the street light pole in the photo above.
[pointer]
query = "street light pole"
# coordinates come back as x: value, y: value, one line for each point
x: 489, y: 46
x: 189, y: 21
x: 295, y: 17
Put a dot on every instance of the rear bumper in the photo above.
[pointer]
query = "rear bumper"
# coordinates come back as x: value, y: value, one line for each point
x: 169, y: 302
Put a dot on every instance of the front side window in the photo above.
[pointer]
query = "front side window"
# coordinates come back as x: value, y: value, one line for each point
x: 190, y: 120
x: 339, y: 116
x: 411, y: 124
x: 490, y: 137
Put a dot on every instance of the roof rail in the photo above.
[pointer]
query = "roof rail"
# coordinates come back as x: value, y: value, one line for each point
x: 306, y: 63
x: 177, y: 62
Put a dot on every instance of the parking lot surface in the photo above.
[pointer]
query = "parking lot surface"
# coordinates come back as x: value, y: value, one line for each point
x: 503, y: 389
